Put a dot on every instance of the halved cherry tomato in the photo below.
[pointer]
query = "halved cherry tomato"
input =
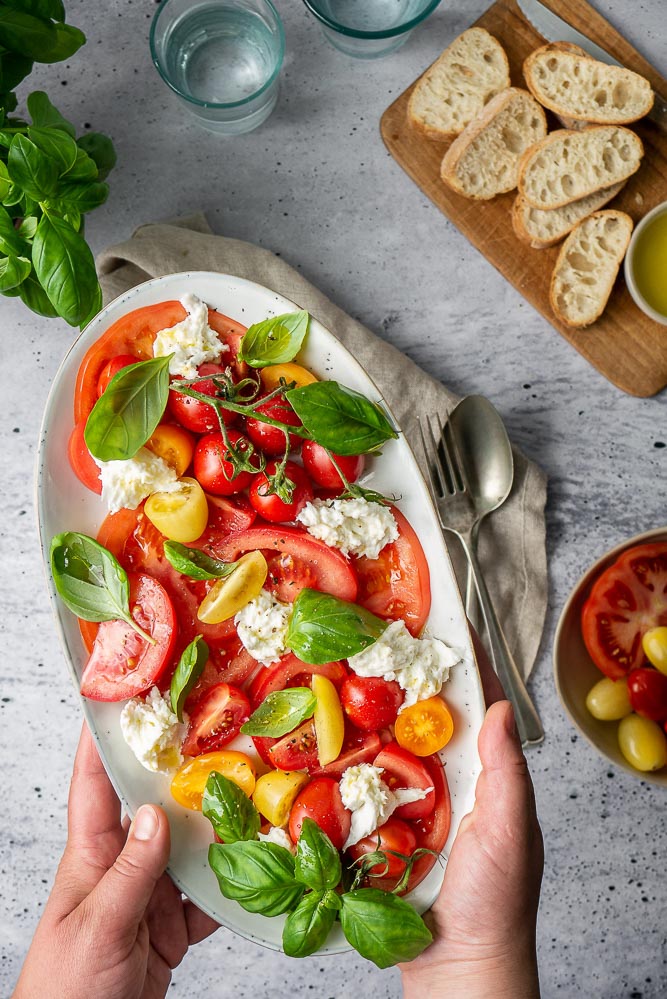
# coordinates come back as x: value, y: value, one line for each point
x: 181, y: 515
x: 189, y: 783
x: 426, y: 727
x: 216, y: 719
x: 270, y: 439
x: 214, y: 471
x: 354, y: 752
x: 648, y: 693
x: 272, y: 375
x: 402, y: 769
x: 295, y: 751
x: 195, y: 414
x: 394, y: 835
x: 82, y: 462
x: 269, y: 505
x: 275, y: 792
x: 229, y: 514
x: 397, y: 583
x: 626, y: 600
x: 319, y: 466
x: 333, y: 572
x: 229, y: 595
x: 370, y: 702
x: 320, y: 801
x: 111, y: 369
x: 277, y: 677
x: 122, y: 663
x: 328, y: 719
x: 174, y: 445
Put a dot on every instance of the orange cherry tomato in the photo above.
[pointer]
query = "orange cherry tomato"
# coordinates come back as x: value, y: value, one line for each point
x: 189, y: 783
x: 174, y: 444
x: 289, y: 372
x: 425, y: 727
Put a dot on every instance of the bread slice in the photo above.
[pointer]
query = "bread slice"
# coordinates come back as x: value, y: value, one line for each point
x: 567, y: 165
x: 587, y: 266
x: 484, y: 160
x: 541, y: 229
x: 572, y: 83
x: 457, y: 86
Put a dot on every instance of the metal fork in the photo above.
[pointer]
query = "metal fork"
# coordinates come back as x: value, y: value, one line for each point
x: 451, y: 495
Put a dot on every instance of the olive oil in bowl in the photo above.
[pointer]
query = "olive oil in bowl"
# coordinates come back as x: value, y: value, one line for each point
x: 646, y: 264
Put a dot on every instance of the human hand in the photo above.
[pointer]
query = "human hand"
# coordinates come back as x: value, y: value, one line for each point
x: 484, y: 919
x: 115, y: 925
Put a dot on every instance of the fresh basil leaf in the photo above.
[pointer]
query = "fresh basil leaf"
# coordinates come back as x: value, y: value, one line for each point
x: 45, y: 115
x: 281, y: 712
x: 307, y: 928
x: 65, y: 267
x: 13, y: 272
x: 317, y: 863
x: 229, y: 810
x: 84, y: 168
x: 23, y: 33
x: 189, y: 669
x: 274, y: 341
x: 34, y: 172
x: 66, y: 42
x: 74, y: 218
x: 323, y: 629
x: 101, y: 150
x: 382, y: 927
x: 259, y: 876
x: 129, y: 410
x: 195, y: 563
x: 11, y: 241
x: 33, y: 295
x: 28, y: 227
x: 40, y: 8
x: 341, y: 419
x: 82, y: 196
x: 55, y: 143
x: 13, y: 69
x: 94, y: 308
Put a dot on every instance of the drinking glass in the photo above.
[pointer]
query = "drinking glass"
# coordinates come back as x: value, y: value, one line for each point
x: 222, y: 58
x: 367, y: 29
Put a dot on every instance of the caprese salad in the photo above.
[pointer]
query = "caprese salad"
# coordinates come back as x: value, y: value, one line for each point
x: 261, y: 612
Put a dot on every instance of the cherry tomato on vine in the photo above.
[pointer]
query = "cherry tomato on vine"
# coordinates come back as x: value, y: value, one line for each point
x: 370, y: 702
x: 213, y: 471
x: 271, y: 507
x: 394, y: 835
x: 112, y: 367
x: 195, y: 414
x: 319, y: 466
x: 270, y: 439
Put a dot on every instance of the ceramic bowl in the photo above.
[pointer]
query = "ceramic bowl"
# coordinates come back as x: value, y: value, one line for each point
x: 575, y: 672
x: 628, y: 266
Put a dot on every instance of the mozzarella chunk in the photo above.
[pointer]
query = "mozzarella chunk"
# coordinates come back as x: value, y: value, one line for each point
x: 153, y: 732
x: 279, y: 837
x: 419, y: 665
x: 355, y: 526
x: 127, y: 483
x: 262, y: 627
x: 370, y: 800
x: 192, y: 341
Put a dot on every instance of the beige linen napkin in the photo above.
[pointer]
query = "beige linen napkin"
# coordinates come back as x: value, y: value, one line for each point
x: 512, y: 540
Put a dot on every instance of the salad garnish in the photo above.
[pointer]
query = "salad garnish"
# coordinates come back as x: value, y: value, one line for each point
x: 281, y: 712
x: 276, y: 340
x: 323, y: 628
x: 195, y: 563
x: 189, y: 669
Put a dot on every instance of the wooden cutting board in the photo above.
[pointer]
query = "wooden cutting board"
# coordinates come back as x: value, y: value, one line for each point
x: 625, y: 345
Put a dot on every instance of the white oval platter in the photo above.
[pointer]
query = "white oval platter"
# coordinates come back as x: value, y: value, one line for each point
x: 63, y: 503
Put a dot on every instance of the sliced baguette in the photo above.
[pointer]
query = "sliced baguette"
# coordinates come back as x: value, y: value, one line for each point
x: 457, y: 86
x: 484, y: 160
x: 568, y: 81
x: 587, y: 266
x: 541, y: 229
x: 567, y: 165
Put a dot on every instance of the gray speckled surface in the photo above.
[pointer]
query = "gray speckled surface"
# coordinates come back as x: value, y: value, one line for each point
x: 316, y: 185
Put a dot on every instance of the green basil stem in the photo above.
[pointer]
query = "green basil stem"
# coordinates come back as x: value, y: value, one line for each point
x: 234, y: 407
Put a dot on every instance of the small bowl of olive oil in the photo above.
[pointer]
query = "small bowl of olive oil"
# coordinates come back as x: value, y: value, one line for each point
x: 646, y: 264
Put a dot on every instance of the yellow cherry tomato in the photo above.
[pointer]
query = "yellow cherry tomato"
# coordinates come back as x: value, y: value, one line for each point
x: 174, y: 444
x: 609, y: 700
x: 424, y: 727
x: 275, y: 792
x: 654, y: 643
x: 181, y: 515
x: 229, y: 595
x: 290, y: 371
x: 329, y: 720
x: 642, y: 742
x: 189, y: 783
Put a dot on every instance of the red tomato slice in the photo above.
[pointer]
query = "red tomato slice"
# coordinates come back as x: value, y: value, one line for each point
x: 364, y: 751
x: 402, y: 769
x: 397, y: 583
x: 230, y: 663
x: 320, y: 801
x: 297, y: 750
x: 134, y: 333
x: 82, y: 461
x: 626, y: 600
x: 278, y: 676
x: 216, y: 719
x: 226, y: 515
x: 333, y: 573
x: 122, y: 663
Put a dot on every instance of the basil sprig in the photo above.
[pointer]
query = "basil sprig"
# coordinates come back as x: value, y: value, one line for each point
x: 317, y: 859
x: 129, y: 410
x: 308, y: 926
x: 229, y: 810
x: 382, y: 927
x: 90, y: 581
x: 195, y: 563
x: 274, y: 341
x: 281, y: 712
x: 323, y: 629
x: 341, y: 419
x: 189, y: 669
x: 259, y: 876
